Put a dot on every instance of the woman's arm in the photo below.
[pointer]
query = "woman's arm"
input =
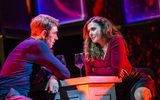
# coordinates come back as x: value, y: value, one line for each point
x: 118, y: 52
x: 88, y: 69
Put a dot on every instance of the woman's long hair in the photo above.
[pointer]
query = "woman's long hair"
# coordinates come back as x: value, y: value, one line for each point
x: 92, y: 50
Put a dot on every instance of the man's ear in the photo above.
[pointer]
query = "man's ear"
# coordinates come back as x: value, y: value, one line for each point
x: 43, y: 34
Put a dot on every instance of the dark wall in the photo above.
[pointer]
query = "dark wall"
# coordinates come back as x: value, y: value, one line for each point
x: 1, y: 50
x: 144, y: 46
x: 111, y: 9
x: 69, y: 46
x: 15, y: 14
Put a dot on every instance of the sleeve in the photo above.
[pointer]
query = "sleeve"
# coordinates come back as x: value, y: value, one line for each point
x: 116, y: 58
x: 88, y: 69
x: 44, y: 57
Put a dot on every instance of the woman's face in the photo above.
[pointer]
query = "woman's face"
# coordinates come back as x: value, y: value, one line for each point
x: 95, y: 32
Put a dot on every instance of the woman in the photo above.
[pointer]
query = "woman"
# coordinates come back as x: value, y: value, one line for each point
x: 105, y: 53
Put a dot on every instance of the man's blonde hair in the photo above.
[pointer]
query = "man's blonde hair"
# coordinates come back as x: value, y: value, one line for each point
x: 42, y: 22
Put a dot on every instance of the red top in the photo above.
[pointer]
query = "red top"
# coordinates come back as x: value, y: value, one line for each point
x: 114, y: 61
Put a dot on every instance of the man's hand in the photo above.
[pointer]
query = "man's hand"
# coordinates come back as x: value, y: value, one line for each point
x: 52, y: 85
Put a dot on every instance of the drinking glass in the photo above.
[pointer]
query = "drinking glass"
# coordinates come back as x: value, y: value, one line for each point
x: 79, y: 62
x: 61, y: 58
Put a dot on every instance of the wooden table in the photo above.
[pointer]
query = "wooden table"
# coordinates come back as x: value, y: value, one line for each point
x: 88, y: 88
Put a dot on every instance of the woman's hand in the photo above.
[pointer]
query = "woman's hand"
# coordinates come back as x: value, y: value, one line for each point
x: 52, y: 85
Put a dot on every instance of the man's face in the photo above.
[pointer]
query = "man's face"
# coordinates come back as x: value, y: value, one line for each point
x: 52, y: 36
x: 94, y: 32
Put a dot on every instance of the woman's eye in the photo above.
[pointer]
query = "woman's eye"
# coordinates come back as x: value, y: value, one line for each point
x: 93, y: 28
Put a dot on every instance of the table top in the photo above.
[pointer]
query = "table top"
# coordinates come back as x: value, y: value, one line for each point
x: 90, y: 80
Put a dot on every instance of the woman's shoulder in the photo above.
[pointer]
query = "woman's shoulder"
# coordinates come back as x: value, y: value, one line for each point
x: 117, y: 38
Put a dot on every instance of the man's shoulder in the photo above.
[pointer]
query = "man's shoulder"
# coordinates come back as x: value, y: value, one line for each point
x: 33, y: 41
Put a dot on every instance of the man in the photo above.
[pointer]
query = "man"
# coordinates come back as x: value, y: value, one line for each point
x: 17, y: 69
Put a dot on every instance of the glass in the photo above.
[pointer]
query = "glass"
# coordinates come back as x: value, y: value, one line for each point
x: 61, y: 58
x: 79, y: 62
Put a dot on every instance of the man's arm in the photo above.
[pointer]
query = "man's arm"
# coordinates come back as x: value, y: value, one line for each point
x: 45, y: 58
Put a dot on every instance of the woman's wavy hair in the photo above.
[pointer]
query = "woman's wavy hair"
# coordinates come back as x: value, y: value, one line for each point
x: 92, y: 50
